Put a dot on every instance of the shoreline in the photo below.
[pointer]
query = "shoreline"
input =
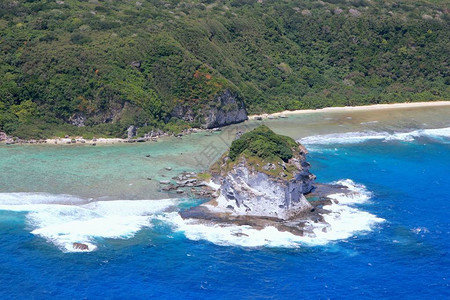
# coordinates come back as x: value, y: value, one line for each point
x: 78, y: 140
x: 70, y: 141
x: 352, y: 108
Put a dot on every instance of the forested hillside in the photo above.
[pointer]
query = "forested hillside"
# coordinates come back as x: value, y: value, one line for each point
x: 105, y: 65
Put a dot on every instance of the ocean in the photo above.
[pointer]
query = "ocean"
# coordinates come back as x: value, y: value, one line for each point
x: 389, y: 240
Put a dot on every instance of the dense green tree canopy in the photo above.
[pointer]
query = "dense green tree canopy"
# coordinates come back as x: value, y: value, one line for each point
x: 263, y: 143
x: 116, y: 63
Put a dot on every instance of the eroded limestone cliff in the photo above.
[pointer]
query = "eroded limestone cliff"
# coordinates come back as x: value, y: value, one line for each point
x: 225, y: 109
x: 247, y: 190
x: 262, y: 175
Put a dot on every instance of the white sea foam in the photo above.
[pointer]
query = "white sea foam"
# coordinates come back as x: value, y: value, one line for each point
x: 232, y: 235
x: 344, y: 138
x: 65, y: 224
x: 441, y: 132
x: 343, y: 221
x: 420, y: 230
x: 358, y: 193
x: 213, y: 185
x: 438, y: 133
x: 369, y: 122
x: 363, y: 136
x: 38, y: 198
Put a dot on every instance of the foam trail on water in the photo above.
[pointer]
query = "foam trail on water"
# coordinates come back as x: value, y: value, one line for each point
x: 359, y: 193
x: 344, y: 138
x: 38, y: 198
x: 343, y: 222
x: 440, y: 134
x: 65, y: 224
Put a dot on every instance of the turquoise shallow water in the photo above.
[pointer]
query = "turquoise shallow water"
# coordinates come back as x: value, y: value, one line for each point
x: 120, y: 171
x: 114, y: 171
x: 141, y: 253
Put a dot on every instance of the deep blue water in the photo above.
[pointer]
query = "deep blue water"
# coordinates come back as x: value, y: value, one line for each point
x: 405, y: 257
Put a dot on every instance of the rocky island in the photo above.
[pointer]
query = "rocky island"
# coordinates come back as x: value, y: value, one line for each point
x: 264, y: 180
x: 264, y: 175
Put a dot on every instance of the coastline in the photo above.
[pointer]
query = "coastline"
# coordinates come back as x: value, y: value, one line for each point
x: 78, y: 140
x: 352, y: 108
x: 68, y: 141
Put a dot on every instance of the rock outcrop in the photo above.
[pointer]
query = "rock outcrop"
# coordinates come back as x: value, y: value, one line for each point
x: 131, y: 131
x: 225, y: 109
x: 112, y: 111
x: 247, y: 191
x: 80, y: 246
x: 3, y: 136
x: 264, y: 181
x: 228, y: 109
x: 78, y: 119
x: 263, y: 175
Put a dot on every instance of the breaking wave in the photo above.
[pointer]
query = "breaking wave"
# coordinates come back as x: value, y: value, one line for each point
x: 38, y: 198
x: 440, y: 134
x: 64, y: 220
x: 344, y: 221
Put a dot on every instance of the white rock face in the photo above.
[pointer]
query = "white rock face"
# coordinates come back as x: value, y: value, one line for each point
x: 253, y: 193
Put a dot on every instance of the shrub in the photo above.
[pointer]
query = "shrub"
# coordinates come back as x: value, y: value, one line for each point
x: 263, y: 143
x: 80, y: 39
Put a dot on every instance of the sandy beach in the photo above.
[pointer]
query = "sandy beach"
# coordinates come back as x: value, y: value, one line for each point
x: 367, y: 108
x: 71, y: 141
x: 354, y: 108
x: 80, y: 140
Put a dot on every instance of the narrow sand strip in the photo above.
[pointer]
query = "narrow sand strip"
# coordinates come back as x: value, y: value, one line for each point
x: 80, y: 140
x: 356, y: 108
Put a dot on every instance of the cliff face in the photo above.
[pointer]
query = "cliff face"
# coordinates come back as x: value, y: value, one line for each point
x: 262, y: 179
x: 112, y: 112
x: 247, y: 191
x: 226, y: 108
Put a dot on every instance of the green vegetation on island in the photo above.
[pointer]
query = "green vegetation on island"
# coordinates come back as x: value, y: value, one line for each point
x: 90, y: 67
x: 264, y: 151
x: 263, y: 143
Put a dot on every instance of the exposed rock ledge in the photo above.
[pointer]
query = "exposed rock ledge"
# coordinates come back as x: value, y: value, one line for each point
x: 299, y: 224
x: 265, y: 192
x: 247, y: 191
